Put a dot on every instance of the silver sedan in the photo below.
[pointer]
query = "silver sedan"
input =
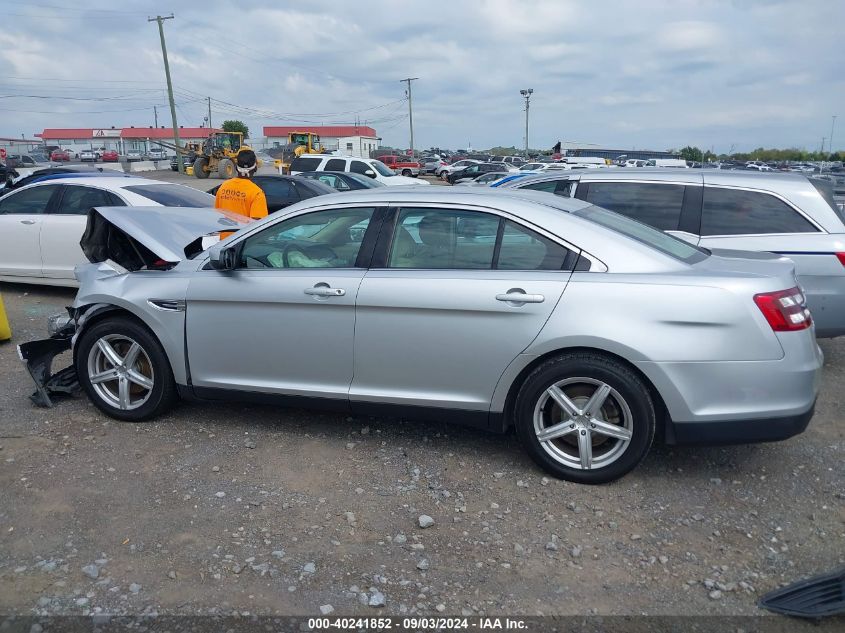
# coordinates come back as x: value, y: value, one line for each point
x: 587, y: 333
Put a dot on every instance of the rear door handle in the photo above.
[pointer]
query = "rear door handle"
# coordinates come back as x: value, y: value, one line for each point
x: 27, y: 221
x: 325, y: 291
x: 520, y: 297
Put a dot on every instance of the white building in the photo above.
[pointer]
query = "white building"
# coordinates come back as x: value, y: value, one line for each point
x: 120, y: 139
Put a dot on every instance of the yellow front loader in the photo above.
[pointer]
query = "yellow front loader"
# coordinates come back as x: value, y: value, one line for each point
x: 218, y: 155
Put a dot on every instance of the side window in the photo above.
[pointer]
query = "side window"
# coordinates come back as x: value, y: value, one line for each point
x: 322, y: 239
x: 359, y: 167
x: 335, y: 164
x: 658, y: 205
x: 523, y: 249
x: 546, y: 185
x: 305, y: 163
x: 28, y: 201
x: 333, y: 181
x: 278, y: 189
x: 79, y: 200
x: 735, y: 212
x: 433, y: 238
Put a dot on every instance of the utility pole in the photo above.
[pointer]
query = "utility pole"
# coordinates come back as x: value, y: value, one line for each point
x: 180, y: 164
x: 821, y: 151
x: 209, y: 114
x: 832, y: 125
x: 155, y: 115
x: 527, y: 95
x: 410, y: 110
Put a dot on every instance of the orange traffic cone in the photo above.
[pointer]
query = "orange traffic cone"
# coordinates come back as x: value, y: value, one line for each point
x: 5, y: 330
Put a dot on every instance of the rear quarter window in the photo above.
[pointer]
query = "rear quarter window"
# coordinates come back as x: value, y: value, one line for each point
x: 740, y: 212
x: 825, y: 189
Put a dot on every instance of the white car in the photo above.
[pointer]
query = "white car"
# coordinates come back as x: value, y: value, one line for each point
x: 88, y: 155
x: 444, y: 170
x: 134, y: 155
x: 370, y: 167
x: 157, y: 153
x: 41, y: 224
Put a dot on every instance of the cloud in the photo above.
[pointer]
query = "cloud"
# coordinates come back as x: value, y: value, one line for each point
x: 612, y: 73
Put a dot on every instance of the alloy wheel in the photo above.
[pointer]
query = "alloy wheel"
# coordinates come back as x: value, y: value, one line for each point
x: 120, y: 372
x: 583, y: 423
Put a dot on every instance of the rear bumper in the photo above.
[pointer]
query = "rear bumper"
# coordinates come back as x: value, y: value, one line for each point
x: 738, y: 432
x: 702, y: 394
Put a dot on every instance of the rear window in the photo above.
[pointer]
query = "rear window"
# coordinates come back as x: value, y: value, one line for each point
x: 173, y: 195
x: 305, y: 163
x: 656, y: 204
x: 825, y: 189
x: 658, y: 240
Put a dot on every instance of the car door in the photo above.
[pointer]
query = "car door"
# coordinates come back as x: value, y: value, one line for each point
x: 63, y: 226
x: 440, y: 314
x: 21, y: 216
x: 283, y: 322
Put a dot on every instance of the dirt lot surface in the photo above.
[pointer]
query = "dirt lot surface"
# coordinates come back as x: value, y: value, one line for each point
x: 235, y: 509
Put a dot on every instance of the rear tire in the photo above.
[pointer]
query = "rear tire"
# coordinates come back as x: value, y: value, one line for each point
x: 585, y: 418
x: 406, y: 173
x: 124, y: 370
x: 226, y: 168
x: 200, y: 165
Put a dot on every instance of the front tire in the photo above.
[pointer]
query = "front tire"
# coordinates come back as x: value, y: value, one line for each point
x: 226, y: 168
x: 585, y: 417
x: 124, y: 370
x: 406, y: 173
x: 200, y: 167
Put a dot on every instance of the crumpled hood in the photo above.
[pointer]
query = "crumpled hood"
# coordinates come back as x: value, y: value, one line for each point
x: 152, y: 237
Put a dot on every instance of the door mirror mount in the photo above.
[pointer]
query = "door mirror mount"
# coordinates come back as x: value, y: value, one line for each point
x: 223, y: 258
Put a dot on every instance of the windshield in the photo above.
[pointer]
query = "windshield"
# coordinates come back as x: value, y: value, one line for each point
x: 173, y: 195
x: 666, y: 244
x: 368, y: 183
x: 381, y: 168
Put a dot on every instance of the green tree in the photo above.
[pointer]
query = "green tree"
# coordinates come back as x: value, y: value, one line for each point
x: 236, y: 126
x: 692, y: 154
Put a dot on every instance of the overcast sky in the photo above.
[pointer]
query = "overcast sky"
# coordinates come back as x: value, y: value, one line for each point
x: 630, y: 74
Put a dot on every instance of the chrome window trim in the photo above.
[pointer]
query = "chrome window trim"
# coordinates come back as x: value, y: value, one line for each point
x: 596, y: 265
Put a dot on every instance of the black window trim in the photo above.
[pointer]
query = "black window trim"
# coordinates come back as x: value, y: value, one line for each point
x: 776, y: 195
x: 384, y: 245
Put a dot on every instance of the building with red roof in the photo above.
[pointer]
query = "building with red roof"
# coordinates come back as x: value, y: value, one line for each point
x: 120, y: 139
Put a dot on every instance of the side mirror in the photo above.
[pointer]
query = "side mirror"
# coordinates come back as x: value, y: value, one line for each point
x: 223, y: 258
x: 370, y: 173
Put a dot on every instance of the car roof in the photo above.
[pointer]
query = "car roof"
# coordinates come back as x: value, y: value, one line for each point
x: 668, y: 174
x: 108, y: 182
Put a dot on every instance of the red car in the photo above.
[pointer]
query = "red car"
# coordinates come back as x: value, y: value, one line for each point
x: 110, y: 156
x: 59, y: 155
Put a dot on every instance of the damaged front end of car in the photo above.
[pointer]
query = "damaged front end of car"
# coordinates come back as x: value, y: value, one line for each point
x: 117, y: 242
x: 38, y: 357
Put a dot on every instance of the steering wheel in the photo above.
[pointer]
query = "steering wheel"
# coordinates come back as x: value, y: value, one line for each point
x: 316, y: 251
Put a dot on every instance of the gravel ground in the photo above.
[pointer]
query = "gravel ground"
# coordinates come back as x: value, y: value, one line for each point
x: 254, y: 509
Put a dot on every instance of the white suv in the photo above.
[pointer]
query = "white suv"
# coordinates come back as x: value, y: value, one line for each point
x: 375, y: 169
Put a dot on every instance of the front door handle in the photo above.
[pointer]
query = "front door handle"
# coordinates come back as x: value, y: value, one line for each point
x: 27, y: 221
x: 519, y: 297
x: 325, y: 291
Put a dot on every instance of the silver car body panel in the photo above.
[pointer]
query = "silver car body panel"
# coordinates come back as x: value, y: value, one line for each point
x: 440, y: 339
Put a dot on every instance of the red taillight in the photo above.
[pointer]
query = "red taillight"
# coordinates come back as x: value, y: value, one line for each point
x: 785, y: 310
x: 841, y: 258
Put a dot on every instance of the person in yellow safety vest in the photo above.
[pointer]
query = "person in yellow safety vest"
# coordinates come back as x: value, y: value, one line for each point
x: 240, y: 194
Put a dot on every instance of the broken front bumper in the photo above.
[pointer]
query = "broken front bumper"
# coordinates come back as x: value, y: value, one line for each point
x: 39, y: 355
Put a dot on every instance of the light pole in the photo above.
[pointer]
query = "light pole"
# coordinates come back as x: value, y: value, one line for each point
x: 527, y: 96
x: 832, y: 125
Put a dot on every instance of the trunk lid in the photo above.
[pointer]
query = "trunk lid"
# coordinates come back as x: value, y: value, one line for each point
x: 152, y: 237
